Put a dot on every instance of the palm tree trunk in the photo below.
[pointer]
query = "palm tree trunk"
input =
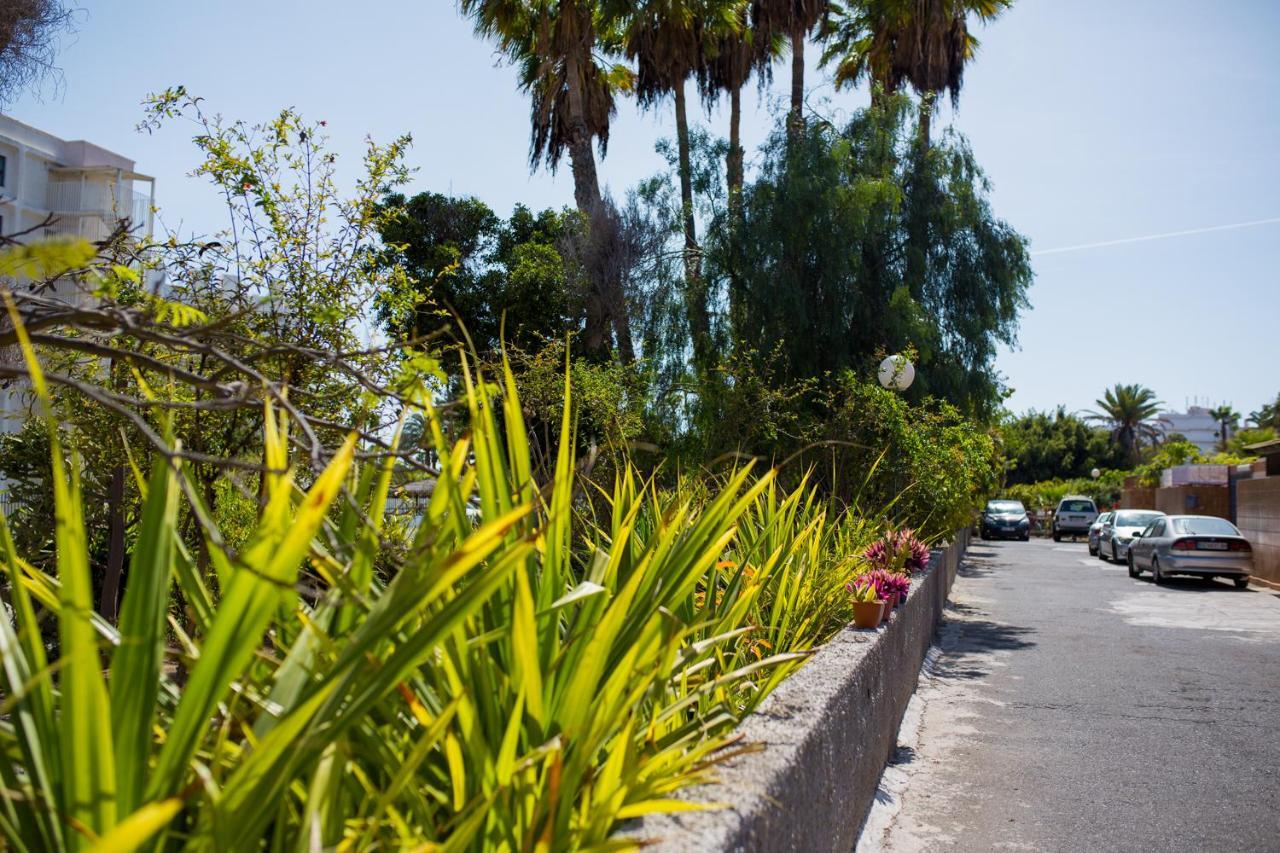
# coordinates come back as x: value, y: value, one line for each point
x: 734, y: 180
x: 795, y: 119
x: 927, y: 101
x: 695, y: 293
x: 601, y: 297
x: 734, y: 160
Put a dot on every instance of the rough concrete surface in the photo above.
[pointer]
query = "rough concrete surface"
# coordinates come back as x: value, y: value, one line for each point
x: 826, y: 733
x: 1070, y: 707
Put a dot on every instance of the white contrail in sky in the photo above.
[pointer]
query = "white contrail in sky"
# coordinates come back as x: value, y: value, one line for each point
x: 1164, y: 236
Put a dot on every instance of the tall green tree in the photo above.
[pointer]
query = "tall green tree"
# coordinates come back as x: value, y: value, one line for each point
x: 925, y: 43
x: 1127, y: 411
x: 792, y: 19
x: 1268, y: 415
x: 557, y: 48
x: 823, y: 283
x: 471, y: 268
x: 669, y: 41
x: 1039, y: 446
x: 735, y: 55
x: 1228, y: 419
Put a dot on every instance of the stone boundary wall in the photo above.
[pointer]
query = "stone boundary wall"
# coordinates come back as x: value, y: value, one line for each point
x: 827, y: 732
x: 1258, y: 517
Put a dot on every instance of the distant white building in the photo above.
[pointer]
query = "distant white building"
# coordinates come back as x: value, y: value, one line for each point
x: 85, y: 187
x: 79, y: 189
x: 1196, y: 424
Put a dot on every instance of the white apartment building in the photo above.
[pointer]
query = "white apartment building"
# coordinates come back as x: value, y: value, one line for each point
x: 86, y: 188
x: 1195, y: 423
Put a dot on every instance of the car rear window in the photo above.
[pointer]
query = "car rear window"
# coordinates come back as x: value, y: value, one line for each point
x: 1135, y: 519
x: 1077, y: 506
x: 1204, y: 527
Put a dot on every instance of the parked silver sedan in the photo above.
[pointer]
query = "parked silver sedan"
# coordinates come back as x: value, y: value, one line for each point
x: 1192, y: 545
x: 1118, y: 533
x: 1094, y: 529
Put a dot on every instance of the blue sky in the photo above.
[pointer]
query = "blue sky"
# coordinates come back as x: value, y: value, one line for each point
x: 1095, y: 121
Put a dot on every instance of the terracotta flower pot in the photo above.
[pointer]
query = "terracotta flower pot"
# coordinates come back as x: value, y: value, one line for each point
x: 867, y: 614
x: 888, y: 609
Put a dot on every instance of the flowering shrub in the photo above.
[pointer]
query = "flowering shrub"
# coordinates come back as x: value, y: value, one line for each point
x: 893, y: 582
x: 898, y: 551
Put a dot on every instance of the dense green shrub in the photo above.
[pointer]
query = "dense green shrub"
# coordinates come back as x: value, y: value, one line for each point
x: 533, y: 677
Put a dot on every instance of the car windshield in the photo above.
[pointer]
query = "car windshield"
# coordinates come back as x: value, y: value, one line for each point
x: 1135, y: 519
x: 1005, y: 506
x: 1076, y: 506
x: 1204, y: 527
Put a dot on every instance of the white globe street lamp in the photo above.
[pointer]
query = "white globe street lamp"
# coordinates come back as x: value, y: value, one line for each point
x: 897, y: 372
x: 1095, y: 473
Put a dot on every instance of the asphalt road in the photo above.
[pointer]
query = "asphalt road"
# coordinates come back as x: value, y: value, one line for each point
x: 1069, y: 707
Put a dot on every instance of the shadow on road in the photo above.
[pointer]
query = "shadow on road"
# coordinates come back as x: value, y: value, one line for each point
x: 1179, y: 583
x: 968, y: 641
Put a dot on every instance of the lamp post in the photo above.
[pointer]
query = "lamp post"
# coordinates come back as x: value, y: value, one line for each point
x: 897, y: 373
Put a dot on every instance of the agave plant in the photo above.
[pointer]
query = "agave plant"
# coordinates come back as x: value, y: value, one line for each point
x: 528, y: 680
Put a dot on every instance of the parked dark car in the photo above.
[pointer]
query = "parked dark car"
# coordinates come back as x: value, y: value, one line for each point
x: 1005, y: 520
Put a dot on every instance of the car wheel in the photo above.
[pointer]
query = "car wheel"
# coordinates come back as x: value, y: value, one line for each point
x: 1115, y: 558
x: 1133, y: 567
x: 1026, y: 537
x: 1100, y: 555
x: 1241, y: 583
x: 1057, y: 537
x: 1155, y: 570
x: 1093, y: 552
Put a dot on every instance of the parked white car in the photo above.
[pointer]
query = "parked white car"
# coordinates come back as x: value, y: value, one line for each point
x: 1192, y: 545
x: 1118, y: 533
x: 1074, y: 516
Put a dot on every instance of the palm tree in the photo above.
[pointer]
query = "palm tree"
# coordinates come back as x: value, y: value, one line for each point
x: 554, y: 47
x: 734, y: 55
x: 793, y: 19
x: 1128, y: 410
x: 1228, y: 419
x: 1268, y: 415
x: 668, y: 40
x: 925, y: 43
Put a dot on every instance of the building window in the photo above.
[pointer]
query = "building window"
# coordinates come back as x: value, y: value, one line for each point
x: 3, y: 162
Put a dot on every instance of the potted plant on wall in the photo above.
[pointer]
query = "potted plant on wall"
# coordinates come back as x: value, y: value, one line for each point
x: 868, y: 608
x: 896, y: 585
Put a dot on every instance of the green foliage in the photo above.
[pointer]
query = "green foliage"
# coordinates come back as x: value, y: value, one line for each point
x: 1127, y: 411
x: 535, y: 675
x: 820, y: 262
x: 1039, y: 446
x: 1268, y: 415
x: 1242, y: 438
x: 1044, y: 495
x: 469, y: 269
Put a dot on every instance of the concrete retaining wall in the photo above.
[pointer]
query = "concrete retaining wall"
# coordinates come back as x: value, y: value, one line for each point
x: 1258, y: 517
x: 826, y: 732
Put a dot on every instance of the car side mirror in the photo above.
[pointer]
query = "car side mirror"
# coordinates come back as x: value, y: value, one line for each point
x: 1138, y: 535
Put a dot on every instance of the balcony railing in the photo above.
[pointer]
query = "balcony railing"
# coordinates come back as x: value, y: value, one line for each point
x: 91, y: 209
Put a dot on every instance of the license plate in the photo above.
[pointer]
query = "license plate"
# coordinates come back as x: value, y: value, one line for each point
x: 1212, y: 546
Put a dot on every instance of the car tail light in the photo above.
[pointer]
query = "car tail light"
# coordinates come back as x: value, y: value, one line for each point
x: 1184, y: 545
x: 1239, y: 545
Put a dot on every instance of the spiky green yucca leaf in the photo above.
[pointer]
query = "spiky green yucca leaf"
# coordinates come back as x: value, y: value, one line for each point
x: 524, y: 679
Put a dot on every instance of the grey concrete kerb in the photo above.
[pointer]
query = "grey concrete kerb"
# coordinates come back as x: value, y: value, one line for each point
x: 826, y: 734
